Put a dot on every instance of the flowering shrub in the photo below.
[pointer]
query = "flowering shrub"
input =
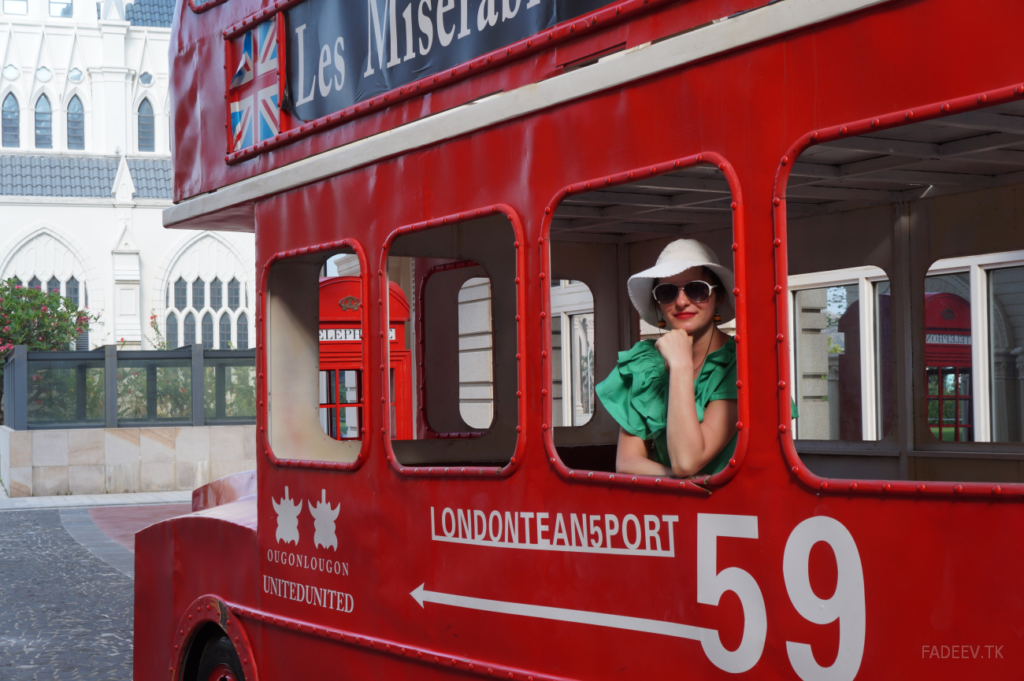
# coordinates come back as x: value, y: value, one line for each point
x: 37, y: 319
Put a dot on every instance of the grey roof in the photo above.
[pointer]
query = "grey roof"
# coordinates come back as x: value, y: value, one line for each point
x: 81, y: 176
x: 152, y: 177
x: 157, y: 13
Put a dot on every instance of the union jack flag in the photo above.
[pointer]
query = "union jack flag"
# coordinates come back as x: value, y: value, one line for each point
x: 254, y: 91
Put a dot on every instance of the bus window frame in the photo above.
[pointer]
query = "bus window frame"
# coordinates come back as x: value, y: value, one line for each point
x: 683, y: 486
x: 518, y: 453
x: 263, y: 362
x: 864, y: 277
x: 915, y: 488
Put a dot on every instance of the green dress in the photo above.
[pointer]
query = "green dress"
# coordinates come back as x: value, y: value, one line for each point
x: 636, y: 395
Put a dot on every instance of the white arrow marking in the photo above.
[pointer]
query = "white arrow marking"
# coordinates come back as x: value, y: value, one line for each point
x: 599, y: 619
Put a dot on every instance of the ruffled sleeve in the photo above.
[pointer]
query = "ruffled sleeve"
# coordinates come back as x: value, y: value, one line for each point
x: 636, y: 391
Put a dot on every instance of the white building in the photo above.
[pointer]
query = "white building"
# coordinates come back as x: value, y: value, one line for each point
x: 85, y: 173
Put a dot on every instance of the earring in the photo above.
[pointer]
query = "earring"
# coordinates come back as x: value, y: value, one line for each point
x: 717, y: 318
x: 661, y: 321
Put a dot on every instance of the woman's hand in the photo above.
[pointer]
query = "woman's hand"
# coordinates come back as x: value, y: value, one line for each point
x: 676, y: 347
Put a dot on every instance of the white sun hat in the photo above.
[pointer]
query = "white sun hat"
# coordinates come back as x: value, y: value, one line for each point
x: 679, y: 256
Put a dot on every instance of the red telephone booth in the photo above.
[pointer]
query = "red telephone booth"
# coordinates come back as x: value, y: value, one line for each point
x: 341, y: 357
x: 947, y: 354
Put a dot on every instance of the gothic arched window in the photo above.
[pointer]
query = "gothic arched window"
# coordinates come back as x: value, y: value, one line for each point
x: 35, y: 283
x: 147, y: 134
x: 225, y: 331
x: 11, y: 122
x: 207, y: 331
x: 242, y: 331
x: 76, y: 124
x: 190, y: 329
x: 180, y: 293
x: 198, y: 294
x: 172, y: 331
x: 53, y: 286
x: 233, y: 295
x: 44, y: 124
x: 216, y: 294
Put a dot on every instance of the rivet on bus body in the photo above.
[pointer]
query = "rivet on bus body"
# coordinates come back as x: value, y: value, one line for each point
x: 543, y: 315
x: 853, y: 486
x: 732, y: 463
x: 824, y: 485
x: 517, y: 355
x: 547, y: 211
x: 721, y: 166
x: 739, y: 384
x: 780, y: 338
x: 843, y: 130
x: 508, y: 51
x: 516, y: 244
x: 886, y: 487
x: 634, y: 480
x: 958, y: 489
x: 782, y: 428
x: 782, y: 384
x: 921, y: 488
x: 519, y: 393
x: 776, y: 201
x: 875, y: 123
x: 997, y: 490
x: 544, y: 391
x: 517, y: 318
x: 778, y: 288
x: 735, y: 247
x: 795, y: 469
x: 630, y: 176
x: 785, y: 160
x: 590, y: 476
x: 734, y: 205
x: 611, y: 478
x: 545, y: 352
x: 544, y: 426
x: 736, y: 291
x: 700, y: 158
x: 945, y: 108
x: 739, y: 425
x: 519, y: 429
x: 529, y: 43
x: 1019, y: 89
x: 572, y: 474
x: 777, y: 243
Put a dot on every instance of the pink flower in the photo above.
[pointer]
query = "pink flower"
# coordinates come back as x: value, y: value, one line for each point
x: 44, y: 308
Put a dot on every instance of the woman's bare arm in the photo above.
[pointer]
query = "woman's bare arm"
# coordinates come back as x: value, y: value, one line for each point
x: 631, y: 457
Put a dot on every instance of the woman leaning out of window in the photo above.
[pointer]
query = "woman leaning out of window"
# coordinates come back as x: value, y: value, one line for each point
x: 675, y: 399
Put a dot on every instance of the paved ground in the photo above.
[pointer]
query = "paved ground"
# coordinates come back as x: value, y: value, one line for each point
x: 66, y: 591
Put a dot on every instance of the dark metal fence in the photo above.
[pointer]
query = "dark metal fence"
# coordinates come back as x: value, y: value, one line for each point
x: 107, y: 388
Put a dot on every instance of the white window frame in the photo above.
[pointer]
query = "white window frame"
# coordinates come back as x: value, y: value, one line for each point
x: 565, y: 312
x: 977, y: 266
x: 865, y: 279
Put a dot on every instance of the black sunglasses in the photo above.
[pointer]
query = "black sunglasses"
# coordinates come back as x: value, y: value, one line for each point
x: 696, y: 292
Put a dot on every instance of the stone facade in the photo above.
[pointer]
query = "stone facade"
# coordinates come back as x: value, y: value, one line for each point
x: 118, y: 460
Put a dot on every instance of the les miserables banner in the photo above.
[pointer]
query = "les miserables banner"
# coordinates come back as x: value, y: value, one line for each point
x: 341, y: 52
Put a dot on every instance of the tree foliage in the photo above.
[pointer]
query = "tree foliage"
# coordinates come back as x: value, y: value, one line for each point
x: 38, y: 319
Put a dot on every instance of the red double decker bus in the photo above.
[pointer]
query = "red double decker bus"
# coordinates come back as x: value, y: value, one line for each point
x: 507, y: 165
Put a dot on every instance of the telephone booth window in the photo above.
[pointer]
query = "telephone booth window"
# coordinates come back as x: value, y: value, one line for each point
x: 341, y: 352
x: 947, y: 315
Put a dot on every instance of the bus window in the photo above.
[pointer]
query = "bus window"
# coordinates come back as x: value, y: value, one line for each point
x: 904, y: 277
x: 572, y: 353
x: 461, y: 341
x: 315, y: 357
x: 597, y: 240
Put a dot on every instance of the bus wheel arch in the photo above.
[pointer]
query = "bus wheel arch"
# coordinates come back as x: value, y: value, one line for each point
x: 209, y: 636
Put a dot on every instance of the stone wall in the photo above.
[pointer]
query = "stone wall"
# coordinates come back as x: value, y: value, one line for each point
x: 118, y: 460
